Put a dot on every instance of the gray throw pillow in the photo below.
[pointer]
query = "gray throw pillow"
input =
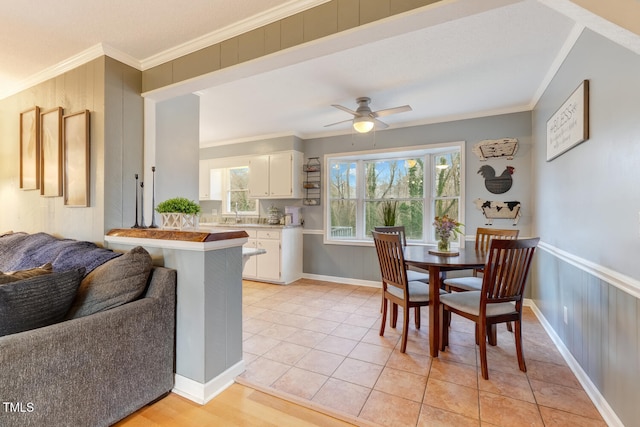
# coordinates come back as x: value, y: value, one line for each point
x: 116, y: 282
x: 38, y: 301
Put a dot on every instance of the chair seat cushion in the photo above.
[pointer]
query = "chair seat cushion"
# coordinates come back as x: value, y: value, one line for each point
x: 469, y: 302
x: 465, y: 283
x: 417, y: 276
x: 418, y: 292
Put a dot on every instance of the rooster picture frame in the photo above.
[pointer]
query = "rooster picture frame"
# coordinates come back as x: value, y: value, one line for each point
x: 569, y: 125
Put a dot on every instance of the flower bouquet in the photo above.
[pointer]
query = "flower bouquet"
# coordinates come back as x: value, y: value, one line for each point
x: 446, y: 228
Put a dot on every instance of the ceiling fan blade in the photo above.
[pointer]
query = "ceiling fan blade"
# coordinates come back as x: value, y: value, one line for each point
x: 380, y: 124
x: 346, y: 110
x: 337, y: 123
x: 389, y: 111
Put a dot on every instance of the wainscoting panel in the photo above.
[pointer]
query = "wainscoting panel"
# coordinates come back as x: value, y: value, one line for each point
x: 602, y: 326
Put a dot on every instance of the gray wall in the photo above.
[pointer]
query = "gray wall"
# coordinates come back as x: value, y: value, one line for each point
x: 110, y: 90
x: 586, y: 213
x: 177, y: 151
x: 358, y: 262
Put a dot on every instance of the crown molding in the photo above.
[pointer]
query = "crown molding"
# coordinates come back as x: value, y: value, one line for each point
x: 287, y: 9
x: 68, y: 64
x: 244, y: 26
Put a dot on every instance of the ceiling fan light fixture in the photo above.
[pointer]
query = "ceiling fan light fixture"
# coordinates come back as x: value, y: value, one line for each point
x: 363, y: 124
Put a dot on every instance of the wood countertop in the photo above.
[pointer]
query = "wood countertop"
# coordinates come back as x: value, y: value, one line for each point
x: 184, y: 235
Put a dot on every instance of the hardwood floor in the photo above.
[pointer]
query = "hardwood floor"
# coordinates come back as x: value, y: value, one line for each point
x: 236, y: 406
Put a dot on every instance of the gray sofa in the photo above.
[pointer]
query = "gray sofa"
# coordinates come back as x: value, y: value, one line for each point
x: 92, y: 370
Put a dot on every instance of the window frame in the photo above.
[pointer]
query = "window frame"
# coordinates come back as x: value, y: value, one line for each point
x: 226, y: 199
x: 427, y: 152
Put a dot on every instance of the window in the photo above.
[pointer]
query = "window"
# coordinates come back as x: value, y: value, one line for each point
x: 237, y: 194
x: 421, y: 183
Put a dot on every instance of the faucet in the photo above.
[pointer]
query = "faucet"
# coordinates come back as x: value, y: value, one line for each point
x: 236, y: 210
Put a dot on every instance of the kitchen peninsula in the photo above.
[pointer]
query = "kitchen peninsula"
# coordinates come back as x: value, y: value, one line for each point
x: 209, y: 301
x: 282, y: 247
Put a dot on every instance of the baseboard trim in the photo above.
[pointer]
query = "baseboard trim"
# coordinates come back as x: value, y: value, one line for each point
x: 343, y: 280
x: 202, y: 393
x: 608, y: 414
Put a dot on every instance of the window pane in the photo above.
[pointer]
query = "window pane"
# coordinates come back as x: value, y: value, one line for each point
x: 245, y: 204
x: 343, y: 218
x: 410, y: 214
x: 239, y: 191
x: 343, y: 180
x: 447, y: 175
x: 239, y: 178
x: 395, y: 179
x: 447, y: 207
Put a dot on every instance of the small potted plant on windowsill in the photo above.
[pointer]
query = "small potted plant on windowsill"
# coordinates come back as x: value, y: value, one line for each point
x: 389, y: 208
x: 179, y: 213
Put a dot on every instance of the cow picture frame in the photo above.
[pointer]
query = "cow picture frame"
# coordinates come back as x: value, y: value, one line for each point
x: 569, y: 125
x: 51, y: 152
x: 30, y: 149
x: 76, y: 148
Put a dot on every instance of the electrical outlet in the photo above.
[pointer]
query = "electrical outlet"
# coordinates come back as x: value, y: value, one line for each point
x: 566, y: 315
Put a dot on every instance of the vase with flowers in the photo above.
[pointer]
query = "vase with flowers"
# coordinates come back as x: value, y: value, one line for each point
x: 446, y: 228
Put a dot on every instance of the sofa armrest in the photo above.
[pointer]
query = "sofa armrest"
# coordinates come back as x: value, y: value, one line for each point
x: 93, y: 370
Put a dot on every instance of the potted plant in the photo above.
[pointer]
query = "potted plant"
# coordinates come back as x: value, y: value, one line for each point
x: 179, y: 213
x: 389, y: 208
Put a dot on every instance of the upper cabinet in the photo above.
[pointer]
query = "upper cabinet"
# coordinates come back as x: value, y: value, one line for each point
x: 204, y: 187
x: 276, y: 176
x: 210, y: 183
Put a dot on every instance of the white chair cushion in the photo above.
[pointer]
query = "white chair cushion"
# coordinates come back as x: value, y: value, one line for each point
x: 469, y: 302
x: 418, y: 291
x: 466, y: 283
x: 417, y: 276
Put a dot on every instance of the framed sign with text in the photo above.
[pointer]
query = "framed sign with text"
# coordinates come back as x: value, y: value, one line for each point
x: 569, y: 125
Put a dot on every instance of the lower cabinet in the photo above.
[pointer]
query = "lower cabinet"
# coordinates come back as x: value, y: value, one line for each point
x: 282, y: 262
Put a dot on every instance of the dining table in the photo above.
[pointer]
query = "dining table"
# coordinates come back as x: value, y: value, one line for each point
x: 423, y: 258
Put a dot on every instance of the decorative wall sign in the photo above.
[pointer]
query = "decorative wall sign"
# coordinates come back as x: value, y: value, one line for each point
x: 569, y: 126
x: 51, y: 152
x: 498, y: 210
x: 76, y: 159
x: 497, y: 184
x: 30, y: 149
x: 504, y: 147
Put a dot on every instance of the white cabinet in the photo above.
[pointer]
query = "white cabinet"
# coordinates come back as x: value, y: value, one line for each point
x: 259, y: 177
x: 282, y: 262
x: 269, y: 264
x: 210, y: 182
x: 250, y: 267
x: 276, y: 176
x: 204, y: 183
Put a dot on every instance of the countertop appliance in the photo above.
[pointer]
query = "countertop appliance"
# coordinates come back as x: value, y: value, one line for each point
x: 296, y: 214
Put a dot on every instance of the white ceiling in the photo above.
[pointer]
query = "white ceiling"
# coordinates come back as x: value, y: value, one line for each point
x: 455, y: 59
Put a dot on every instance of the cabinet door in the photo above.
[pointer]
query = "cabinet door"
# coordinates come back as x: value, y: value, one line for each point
x: 281, y: 175
x: 269, y: 263
x: 250, y: 267
x: 259, y: 176
x: 215, y: 184
x: 204, y: 190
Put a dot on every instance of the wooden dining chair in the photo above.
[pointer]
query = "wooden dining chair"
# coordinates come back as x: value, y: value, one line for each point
x: 396, y: 288
x: 500, y: 298
x: 413, y: 274
x: 483, y: 239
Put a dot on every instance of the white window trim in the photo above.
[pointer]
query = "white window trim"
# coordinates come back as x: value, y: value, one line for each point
x: 226, y: 163
x: 386, y: 154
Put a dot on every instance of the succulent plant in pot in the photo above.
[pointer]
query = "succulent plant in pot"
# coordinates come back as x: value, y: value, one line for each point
x: 179, y: 213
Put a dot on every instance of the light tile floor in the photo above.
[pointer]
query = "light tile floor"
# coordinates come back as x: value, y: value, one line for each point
x: 320, y: 341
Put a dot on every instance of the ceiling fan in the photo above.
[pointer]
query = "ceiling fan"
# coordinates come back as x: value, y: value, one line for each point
x: 364, y: 119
